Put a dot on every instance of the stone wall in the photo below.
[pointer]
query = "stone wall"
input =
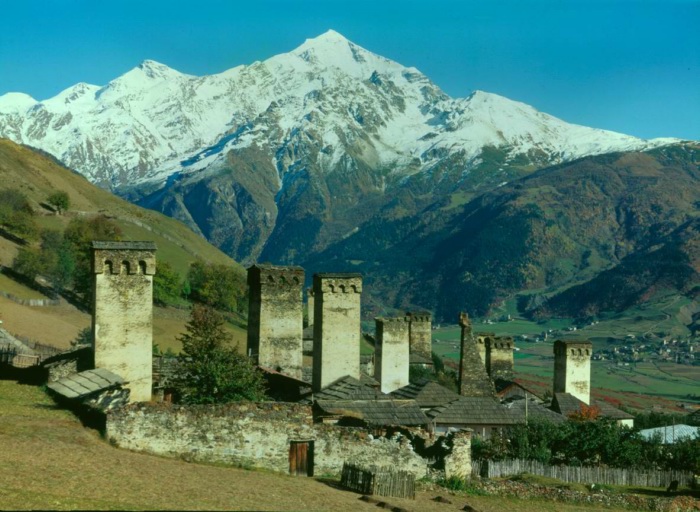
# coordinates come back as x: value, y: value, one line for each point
x: 123, y: 312
x: 391, y: 353
x: 336, y: 328
x: 459, y: 463
x: 572, y: 368
x: 254, y: 435
x: 276, y: 318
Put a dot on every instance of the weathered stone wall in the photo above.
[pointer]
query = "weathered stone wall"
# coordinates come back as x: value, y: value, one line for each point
x: 252, y: 435
x: 459, y: 462
x: 336, y: 327
x: 572, y: 368
x: 276, y: 318
x: 123, y: 312
x: 421, y: 334
x: 68, y: 363
x: 499, y: 358
x: 391, y: 353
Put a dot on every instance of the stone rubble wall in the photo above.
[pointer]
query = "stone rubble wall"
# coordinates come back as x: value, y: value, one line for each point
x: 253, y: 435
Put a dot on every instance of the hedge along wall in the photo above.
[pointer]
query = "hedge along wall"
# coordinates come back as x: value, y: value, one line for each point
x: 252, y: 434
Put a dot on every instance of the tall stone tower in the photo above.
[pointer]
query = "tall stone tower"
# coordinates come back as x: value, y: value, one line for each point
x: 499, y: 358
x: 572, y: 368
x: 336, y: 327
x: 483, y: 339
x: 122, y: 322
x: 391, y: 354
x: 473, y: 379
x: 310, y: 305
x: 421, y: 334
x: 276, y: 318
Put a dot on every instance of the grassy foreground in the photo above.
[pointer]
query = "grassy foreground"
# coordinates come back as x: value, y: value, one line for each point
x: 49, y: 460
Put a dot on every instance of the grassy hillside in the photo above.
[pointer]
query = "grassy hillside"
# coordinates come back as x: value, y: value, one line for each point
x: 37, y: 176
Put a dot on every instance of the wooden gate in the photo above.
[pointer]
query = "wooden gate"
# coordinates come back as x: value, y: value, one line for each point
x: 301, y: 458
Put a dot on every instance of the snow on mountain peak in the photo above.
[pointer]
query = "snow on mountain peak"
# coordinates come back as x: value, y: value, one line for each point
x: 15, y: 102
x: 333, y: 50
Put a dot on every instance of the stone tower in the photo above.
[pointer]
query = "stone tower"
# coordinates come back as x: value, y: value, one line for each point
x: 483, y: 339
x: 499, y: 358
x: 276, y: 318
x: 310, y: 305
x: 391, y: 354
x: 122, y: 322
x: 336, y: 327
x: 572, y: 368
x: 420, y: 334
x: 473, y: 379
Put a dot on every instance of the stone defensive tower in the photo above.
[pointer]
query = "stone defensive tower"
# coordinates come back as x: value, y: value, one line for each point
x: 310, y: 305
x: 421, y: 334
x: 499, y: 358
x: 122, y: 322
x: 336, y: 327
x: 483, y: 339
x: 473, y: 379
x: 276, y: 318
x: 391, y: 353
x: 572, y: 368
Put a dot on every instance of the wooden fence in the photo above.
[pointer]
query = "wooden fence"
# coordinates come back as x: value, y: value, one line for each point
x: 378, y: 481
x: 31, y: 302
x: 581, y: 474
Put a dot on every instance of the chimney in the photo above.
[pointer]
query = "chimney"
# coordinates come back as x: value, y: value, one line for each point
x: 572, y: 368
x: 336, y: 327
x: 391, y: 354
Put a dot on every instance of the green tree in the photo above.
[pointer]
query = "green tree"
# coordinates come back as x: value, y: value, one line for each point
x: 59, y: 200
x: 167, y: 287
x: 16, y: 214
x: 216, y: 285
x: 77, y: 238
x: 28, y: 262
x: 213, y: 371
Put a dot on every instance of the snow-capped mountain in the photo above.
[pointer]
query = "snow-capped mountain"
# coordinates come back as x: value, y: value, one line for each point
x: 154, y: 121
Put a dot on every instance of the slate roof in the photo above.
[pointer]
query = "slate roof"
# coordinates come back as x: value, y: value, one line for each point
x: 377, y: 412
x: 426, y: 393
x: 535, y: 410
x: 124, y: 244
x: 85, y: 383
x: 349, y: 388
x: 567, y: 404
x: 472, y: 410
x: 671, y: 433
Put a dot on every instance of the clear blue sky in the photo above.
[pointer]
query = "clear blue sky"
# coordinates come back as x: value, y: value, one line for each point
x: 628, y: 65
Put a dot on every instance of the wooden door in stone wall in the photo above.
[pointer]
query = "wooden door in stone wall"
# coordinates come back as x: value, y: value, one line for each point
x: 301, y: 458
